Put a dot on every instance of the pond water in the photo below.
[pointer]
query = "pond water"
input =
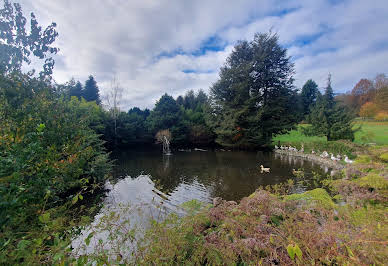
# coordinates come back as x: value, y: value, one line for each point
x: 200, y: 175
x: 154, y: 185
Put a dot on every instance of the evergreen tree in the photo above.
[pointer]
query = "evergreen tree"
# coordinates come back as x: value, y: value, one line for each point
x: 76, y: 90
x: 91, y: 91
x: 329, y: 118
x: 308, y: 96
x: 189, y: 101
x: 180, y: 100
x: 167, y: 115
x: 201, y: 98
x: 252, y: 100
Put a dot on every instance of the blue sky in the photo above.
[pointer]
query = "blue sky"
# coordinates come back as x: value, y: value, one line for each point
x: 157, y: 46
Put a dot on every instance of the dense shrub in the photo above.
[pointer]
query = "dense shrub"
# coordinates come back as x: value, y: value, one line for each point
x: 48, y: 157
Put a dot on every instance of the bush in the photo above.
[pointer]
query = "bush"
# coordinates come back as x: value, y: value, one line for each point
x: 48, y: 158
x: 368, y: 110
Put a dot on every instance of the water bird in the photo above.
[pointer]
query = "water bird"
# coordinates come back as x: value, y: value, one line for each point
x: 347, y: 160
x: 276, y: 147
x: 324, y: 154
x: 333, y: 158
x: 339, y: 157
x: 264, y: 169
x: 312, y: 152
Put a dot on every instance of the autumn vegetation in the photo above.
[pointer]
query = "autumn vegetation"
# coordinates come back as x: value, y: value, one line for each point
x: 369, y: 98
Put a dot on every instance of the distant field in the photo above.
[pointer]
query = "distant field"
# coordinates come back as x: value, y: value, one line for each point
x: 371, y: 132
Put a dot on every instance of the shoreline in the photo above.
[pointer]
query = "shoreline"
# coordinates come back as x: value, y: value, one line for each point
x: 312, y: 157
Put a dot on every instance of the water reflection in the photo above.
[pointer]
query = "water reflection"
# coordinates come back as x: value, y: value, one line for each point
x: 148, y: 186
x: 230, y: 175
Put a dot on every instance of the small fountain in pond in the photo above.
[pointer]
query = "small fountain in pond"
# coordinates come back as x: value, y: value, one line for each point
x: 166, y: 146
x: 164, y: 137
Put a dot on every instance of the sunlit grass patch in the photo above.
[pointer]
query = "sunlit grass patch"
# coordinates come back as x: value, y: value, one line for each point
x: 372, y: 132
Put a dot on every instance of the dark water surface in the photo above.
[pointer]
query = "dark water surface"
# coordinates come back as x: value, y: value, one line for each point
x: 231, y: 175
x: 148, y: 186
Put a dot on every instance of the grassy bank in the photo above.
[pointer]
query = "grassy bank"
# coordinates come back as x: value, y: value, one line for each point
x: 370, y: 132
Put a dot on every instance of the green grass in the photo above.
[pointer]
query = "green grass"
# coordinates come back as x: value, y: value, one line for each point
x: 297, y: 136
x: 371, y: 132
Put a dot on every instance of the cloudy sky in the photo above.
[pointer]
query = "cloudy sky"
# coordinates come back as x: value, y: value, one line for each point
x: 157, y: 46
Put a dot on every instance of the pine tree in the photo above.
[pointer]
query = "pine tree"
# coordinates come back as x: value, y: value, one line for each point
x: 252, y: 100
x: 329, y: 118
x: 167, y: 115
x: 76, y: 90
x: 91, y: 91
x: 308, y: 95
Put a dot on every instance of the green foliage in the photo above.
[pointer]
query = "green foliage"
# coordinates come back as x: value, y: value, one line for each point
x: 168, y: 115
x: 48, y: 157
x: 193, y: 108
x: 373, y: 181
x: 91, y: 91
x: 16, y: 44
x: 370, y: 132
x: 363, y: 159
x: 309, y: 95
x: 316, y: 196
x: 384, y: 157
x: 293, y: 249
x: 76, y: 90
x: 131, y: 128
x: 331, y: 119
x: 253, y: 99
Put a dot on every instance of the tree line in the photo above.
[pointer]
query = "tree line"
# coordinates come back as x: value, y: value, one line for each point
x: 369, y: 98
x: 253, y: 100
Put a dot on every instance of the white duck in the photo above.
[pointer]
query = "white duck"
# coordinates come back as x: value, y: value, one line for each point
x: 333, y: 158
x: 263, y: 169
x: 347, y: 160
x: 276, y: 147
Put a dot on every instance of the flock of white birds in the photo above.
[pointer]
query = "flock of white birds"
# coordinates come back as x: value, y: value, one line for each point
x: 324, y: 154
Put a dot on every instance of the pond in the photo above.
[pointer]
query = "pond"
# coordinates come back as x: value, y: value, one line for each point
x: 154, y: 185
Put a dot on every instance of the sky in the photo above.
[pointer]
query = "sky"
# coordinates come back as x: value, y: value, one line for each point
x: 154, y: 47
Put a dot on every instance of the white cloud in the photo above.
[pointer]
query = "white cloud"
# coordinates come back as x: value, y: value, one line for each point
x: 125, y: 38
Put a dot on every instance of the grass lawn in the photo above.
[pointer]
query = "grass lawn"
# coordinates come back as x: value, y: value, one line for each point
x: 371, y: 132
x: 376, y: 132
